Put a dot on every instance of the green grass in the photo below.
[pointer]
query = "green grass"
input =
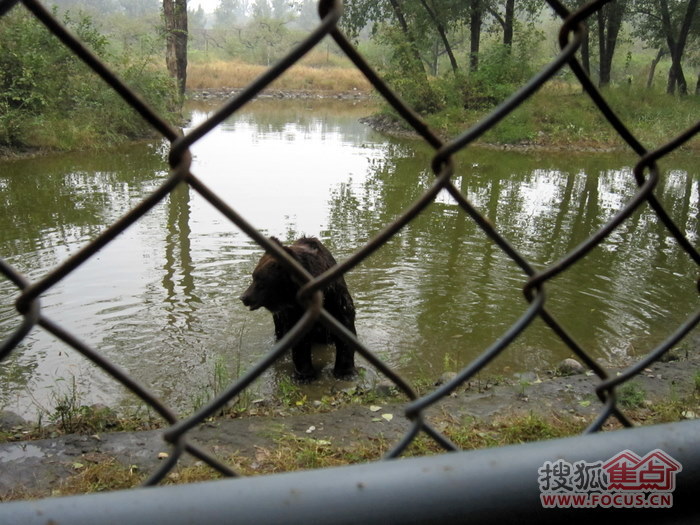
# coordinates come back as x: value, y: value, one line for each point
x: 564, y: 119
x: 631, y: 395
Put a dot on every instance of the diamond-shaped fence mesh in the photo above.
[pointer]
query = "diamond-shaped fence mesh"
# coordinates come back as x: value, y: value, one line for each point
x: 534, y: 281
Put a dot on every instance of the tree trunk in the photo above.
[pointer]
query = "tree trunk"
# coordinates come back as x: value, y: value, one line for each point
x: 677, y: 47
x: 652, y: 68
x: 475, y: 19
x: 609, y: 23
x: 403, y: 24
x: 506, y: 21
x: 175, y: 16
x: 676, y: 79
x: 602, y: 52
x: 508, y: 26
x: 429, y: 99
x: 443, y: 35
x: 586, y: 54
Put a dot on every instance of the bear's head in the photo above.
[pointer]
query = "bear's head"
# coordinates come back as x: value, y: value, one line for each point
x: 273, y: 286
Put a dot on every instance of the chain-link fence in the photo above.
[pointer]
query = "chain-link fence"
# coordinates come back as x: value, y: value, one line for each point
x: 487, y: 471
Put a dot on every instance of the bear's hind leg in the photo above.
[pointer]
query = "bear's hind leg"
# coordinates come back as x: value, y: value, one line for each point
x: 303, y: 367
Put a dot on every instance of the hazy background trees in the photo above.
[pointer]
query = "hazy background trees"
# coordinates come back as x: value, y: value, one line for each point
x: 628, y: 39
x: 427, y: 48
x: 451, y: 59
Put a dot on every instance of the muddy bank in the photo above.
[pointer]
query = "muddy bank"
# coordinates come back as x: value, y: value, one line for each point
x: 17, y: 153
x: 40, y: 466
x: 396, y: 127
x: 280, y: 94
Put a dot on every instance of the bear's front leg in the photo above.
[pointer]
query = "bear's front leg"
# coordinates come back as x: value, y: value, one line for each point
x: 344, y: 360
x: 280, y: 326
x: 303, y: 367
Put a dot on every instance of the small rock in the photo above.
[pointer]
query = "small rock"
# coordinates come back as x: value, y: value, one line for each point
x: 10, y: 420
x: 446, y: 377
x: 671, y: 355
x: 527, y: 377
x: 385, y: 388
x: 104, y: 415
x: 570, y: 367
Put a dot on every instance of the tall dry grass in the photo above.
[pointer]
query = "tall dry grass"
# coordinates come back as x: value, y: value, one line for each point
x: 221, y: 74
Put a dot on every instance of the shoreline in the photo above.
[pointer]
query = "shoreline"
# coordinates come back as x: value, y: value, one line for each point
x: 280, y: 94
x: 394, y: 127
x: 664, y: 391
x: 382, y: 123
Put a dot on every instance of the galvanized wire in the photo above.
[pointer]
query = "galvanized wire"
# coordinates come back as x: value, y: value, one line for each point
x: 646, y: 176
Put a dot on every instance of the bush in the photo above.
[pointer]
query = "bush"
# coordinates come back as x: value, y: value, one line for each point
x: 631, y: 395
x: 501, y: 72
x: 49, y: 98
x: 406, y: 75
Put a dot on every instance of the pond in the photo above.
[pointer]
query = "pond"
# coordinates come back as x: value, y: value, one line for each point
x: 161, y: 301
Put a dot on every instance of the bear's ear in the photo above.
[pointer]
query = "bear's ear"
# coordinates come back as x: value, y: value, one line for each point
x: 287, y: 249
x: 277, y: 242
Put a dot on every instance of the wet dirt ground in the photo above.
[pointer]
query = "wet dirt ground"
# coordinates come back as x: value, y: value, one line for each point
x: 37, y: 466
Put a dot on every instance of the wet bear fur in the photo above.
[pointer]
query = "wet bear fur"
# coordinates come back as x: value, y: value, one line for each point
x: 275, y: 288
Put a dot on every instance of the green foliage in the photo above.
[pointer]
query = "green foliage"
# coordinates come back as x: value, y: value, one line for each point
x: 501, y: 71
x: 559, y: 115
x: 290, y: 394
x: 50, y: 99
x: 631, y: 395
x: 407, y: 76
x: 70, y: 415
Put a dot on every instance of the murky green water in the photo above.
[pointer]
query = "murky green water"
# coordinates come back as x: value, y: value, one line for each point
x: 162, y: 300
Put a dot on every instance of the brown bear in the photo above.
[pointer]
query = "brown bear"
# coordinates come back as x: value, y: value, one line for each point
x: 275, y: 288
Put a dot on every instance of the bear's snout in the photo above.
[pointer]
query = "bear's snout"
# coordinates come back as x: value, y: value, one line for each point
x: 247, y: 300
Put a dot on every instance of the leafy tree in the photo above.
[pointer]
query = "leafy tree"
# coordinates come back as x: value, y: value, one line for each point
x: 196, y: 18
x: 436, y: 16
x: 131, y: 8
x: 229, y: 12
x: 307, y: 14
x: 265, y: 37
x: 673, y: 23
x: 34, y: 68
x: 506, y: 20
x: 47, y: 95
x: 261, y: 9
x: 197, y: 29
x: 419, y: 31
x: 131, y: 24
x: 400, y: 24
x: 280, y: 9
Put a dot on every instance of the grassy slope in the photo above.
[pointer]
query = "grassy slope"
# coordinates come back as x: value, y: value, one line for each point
x: 558, y: 116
